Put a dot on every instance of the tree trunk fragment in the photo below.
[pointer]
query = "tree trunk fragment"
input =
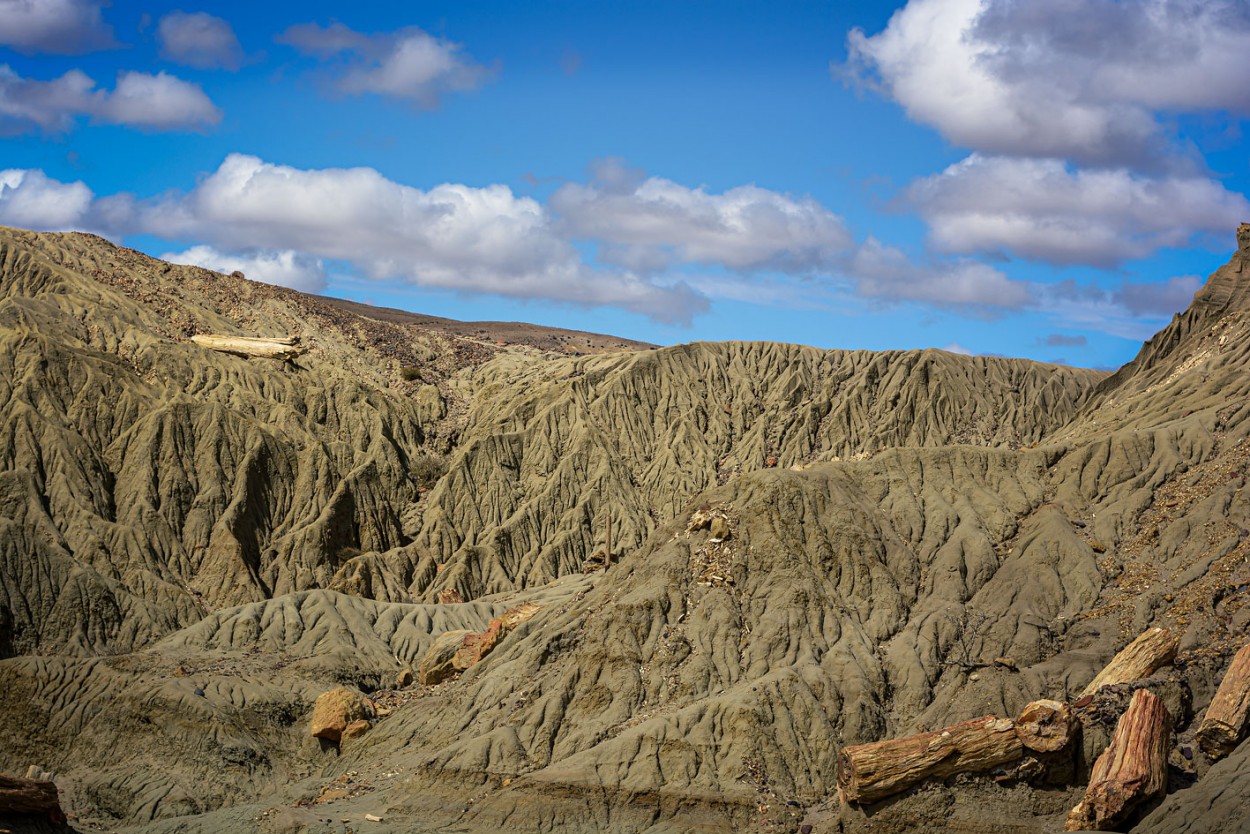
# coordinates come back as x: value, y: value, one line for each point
x: 247, y: 346
x: 1139, y: 659
x: 871, y: 772
x: 1225, y: 722
x: 30, y: 796
x: 1133, y: 768
x: 1047, y: 726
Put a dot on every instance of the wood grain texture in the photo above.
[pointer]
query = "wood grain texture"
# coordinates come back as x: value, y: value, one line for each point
x: 1152, y: 649
x: 1133, y: 768
x: 1225, y: 722
x: 870, y: 772
x: 1046, y: 726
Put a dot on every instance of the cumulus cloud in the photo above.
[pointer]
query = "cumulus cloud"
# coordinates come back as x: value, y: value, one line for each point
x: 409, y: 64
x: 30, y: 200
x: 1084, y: 80
x: 1044, y: 210
x: 651, y: 223
x: 152, y: 102
x: 61, y: 27
x: 199, y: 40
x: 451, y: 236
x: 286, y: 268
x: 885, y: 273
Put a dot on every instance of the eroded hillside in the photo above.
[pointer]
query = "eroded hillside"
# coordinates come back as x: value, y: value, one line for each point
x: 810, y: 549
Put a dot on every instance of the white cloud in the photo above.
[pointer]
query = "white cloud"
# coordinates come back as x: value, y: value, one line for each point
x: 955, y: 347
x: 199, y: 40
x: 451, y: 236
x: 885, y: 273
x: 155, y: 102
x: 1042, y: 210
x: 62, y: 27
x: 409, y: 64
x: 30, y: 200
x: 1076, y: 79
x: 651, y: 223
x: 285, y: 268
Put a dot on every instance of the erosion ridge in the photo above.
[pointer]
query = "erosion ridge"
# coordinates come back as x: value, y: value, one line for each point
x: 185, y: 570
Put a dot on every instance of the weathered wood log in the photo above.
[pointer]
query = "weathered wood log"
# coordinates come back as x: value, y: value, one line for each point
x: 30, y: 796
x: 1047, y: 726
x: 1153, y: 648
x: 247, y: 346
x: 871, y: 772
x: 1225, y: 722
x: 1133, y: 768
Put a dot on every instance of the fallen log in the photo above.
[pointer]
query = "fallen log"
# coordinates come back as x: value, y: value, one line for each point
x: 1139, y: 659
x: 1225, y: 722
x: 30, y: 797
x: 247, y: 346
x: 871, y: 772
x: 1132, y: 770
x: 1046, y: 726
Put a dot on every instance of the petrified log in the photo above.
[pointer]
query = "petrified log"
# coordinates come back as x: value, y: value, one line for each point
x: 246, y: 346
x: 870, y: 772
x: 1225, y: 722
x: 30, y: 796
x: 1133, y: 768
x: 1046, y: 726
x: 1139, y: 659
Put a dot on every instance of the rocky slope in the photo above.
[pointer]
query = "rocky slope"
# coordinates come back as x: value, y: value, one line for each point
x: 810, y: 549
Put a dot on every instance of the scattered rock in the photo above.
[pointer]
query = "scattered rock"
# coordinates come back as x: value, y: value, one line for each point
x: 356, y: 729
x: 335, y: 710
x: 404, y: 679
x: 449, y: 596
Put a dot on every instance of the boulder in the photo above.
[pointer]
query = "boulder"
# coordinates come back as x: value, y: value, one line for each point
x: 335, y: 710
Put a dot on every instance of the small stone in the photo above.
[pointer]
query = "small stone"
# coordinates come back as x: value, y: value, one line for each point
x: 719, y: 528
x: 975, y: 676
x: 1006, y: 663
x: 356, y: 729
x: 1188, y: 753
x: 403, y: 679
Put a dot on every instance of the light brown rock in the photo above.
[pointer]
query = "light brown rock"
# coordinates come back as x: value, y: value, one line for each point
x: 356, y: 729
x: 334, y: 711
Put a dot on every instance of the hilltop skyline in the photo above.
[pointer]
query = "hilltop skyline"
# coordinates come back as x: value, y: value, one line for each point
x: 1038, y: 179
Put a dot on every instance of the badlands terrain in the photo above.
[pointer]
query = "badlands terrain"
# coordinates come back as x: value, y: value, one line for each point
x: 686, y: 578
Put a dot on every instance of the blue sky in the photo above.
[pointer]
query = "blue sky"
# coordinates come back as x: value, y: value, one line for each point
x: 1039, y: 178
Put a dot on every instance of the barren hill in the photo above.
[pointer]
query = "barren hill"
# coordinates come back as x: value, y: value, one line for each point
x: 809, y: 549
